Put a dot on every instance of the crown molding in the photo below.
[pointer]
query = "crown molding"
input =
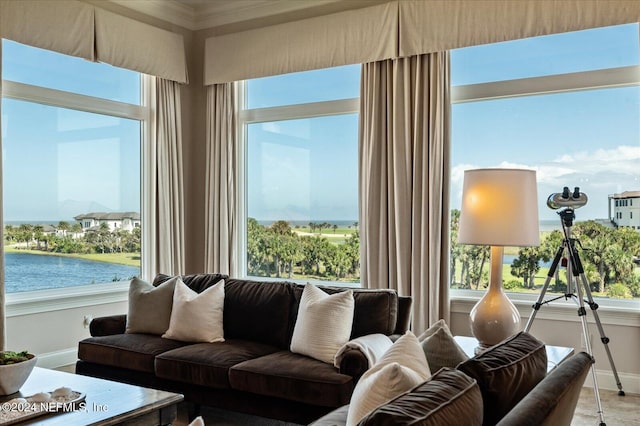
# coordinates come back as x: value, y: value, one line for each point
x: 217, y: 14
x: 171, y: 11
x: 194, y: 15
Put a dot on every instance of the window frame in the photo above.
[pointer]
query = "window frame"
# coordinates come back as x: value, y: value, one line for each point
x: 248, y: 116
x: 629, y: 76
x: 38, y: 301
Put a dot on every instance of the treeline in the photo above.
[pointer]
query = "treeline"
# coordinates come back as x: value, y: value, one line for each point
x: 71, y: 239
x: 278, y: 251
x: 608, y: 256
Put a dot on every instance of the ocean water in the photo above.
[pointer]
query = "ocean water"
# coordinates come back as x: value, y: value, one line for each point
x: 29, y: 272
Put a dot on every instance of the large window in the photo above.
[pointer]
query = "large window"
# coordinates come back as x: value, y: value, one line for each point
x: 301, y: 201
x: 71, y: 140
x: 568, y: 106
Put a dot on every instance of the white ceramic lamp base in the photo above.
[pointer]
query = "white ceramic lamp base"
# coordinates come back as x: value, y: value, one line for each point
x: 494, y: 317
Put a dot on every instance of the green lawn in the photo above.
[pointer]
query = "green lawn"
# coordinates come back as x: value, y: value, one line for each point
x: 129, y: 259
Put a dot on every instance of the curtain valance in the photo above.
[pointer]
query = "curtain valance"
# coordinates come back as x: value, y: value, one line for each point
x: 400, y: 28
x: 64, y: 26
x: 350, y: 37
x: 80, y: 29
x: 130, y: 44
x: 438, y: 25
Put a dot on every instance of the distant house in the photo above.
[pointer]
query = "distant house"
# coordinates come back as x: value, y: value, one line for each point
x: 126, y: 221
x: 626, y: 209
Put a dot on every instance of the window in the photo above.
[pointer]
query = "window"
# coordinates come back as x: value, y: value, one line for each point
x: 301, y: 168
x: 71, y: 136
x: 584, y: 132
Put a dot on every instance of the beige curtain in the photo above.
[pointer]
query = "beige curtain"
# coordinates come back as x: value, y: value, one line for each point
x: 221, y: 212
x: 168, y: 191
x: 404, y: 181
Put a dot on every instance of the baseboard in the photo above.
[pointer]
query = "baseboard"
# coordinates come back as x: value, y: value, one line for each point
x: 58, y: 358
x: 606, y: 381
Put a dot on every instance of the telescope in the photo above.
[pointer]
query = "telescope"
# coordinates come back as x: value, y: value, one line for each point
x: 566, y: 198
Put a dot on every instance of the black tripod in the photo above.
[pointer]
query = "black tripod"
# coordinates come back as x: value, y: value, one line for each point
x: 575, y: 272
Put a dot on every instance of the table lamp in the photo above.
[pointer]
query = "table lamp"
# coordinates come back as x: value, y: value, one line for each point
x: 499, y: 208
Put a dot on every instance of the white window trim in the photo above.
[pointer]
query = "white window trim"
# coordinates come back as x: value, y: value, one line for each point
x: 620, y: 312
x: 31, y: 302
x: 277, y: 113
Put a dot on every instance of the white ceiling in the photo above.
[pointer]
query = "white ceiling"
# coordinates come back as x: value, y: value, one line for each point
x: 203, y: 14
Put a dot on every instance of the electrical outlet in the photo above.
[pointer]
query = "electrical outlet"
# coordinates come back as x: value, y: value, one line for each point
x: 87, y: 321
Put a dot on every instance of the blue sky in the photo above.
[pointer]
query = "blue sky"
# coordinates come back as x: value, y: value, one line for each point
x: 59, y: 163
x: 588, y: 139
x: 307, y: 169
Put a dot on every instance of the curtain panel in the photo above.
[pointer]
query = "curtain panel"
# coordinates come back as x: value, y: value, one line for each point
x: 168, y: 188
x: 404, y: 181
x: 221, y: 207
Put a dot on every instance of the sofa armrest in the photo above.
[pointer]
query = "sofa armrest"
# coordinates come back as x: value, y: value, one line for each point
x: 358, y: 355
x: 107, y: 326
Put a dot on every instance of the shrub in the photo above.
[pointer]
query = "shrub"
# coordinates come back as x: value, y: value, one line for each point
x: 511, y: 284
x: 619, y: 291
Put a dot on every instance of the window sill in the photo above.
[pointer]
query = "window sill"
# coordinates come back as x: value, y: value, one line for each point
x: 618, y: 312
x: 34, y: 302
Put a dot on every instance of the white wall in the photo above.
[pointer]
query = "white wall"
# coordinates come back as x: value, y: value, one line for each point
x: 51, y: 327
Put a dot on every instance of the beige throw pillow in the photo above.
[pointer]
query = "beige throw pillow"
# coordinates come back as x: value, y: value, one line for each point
x: 379, y: 388
x: 407, y: 352
x: 323, y: 324
x: 400, y: 369
x: 197, y: 317
x: 440, y: 347
x: 150, y: 307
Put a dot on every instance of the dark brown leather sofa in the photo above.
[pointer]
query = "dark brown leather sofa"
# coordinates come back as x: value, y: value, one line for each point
x: 252, y: 371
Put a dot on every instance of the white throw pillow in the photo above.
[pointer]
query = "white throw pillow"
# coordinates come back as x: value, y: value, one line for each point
x: 149, y: 306
x: 408, y: 352
x: 379, y: 388
x: 323, y: 324
x: 197, y: 317
x: 381, y: 384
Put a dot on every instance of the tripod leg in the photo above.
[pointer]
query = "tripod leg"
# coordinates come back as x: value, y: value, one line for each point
x: 604, y: 339
x: 582, y: 313
x: 550, y: 275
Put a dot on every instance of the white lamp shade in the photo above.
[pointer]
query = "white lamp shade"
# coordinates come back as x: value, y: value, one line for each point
x: 499, y: 208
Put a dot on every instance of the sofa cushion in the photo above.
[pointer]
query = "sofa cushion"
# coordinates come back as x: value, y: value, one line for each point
x: 196, y: 282
x: 323, y: 324
x: 208, y: 364
x: 553, y: 401
x: 506, y: 372
x: 294, y: 377
x: 443, y: 400
x: 150, y: 306
x: 131, y: 351
x: 374, y: 311
x: 197, y: 317
x: 441, y: 348
x: 258, y: 311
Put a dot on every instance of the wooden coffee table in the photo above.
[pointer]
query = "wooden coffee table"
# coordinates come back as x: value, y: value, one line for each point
x: 555, y: 354
x: 106, y: 402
